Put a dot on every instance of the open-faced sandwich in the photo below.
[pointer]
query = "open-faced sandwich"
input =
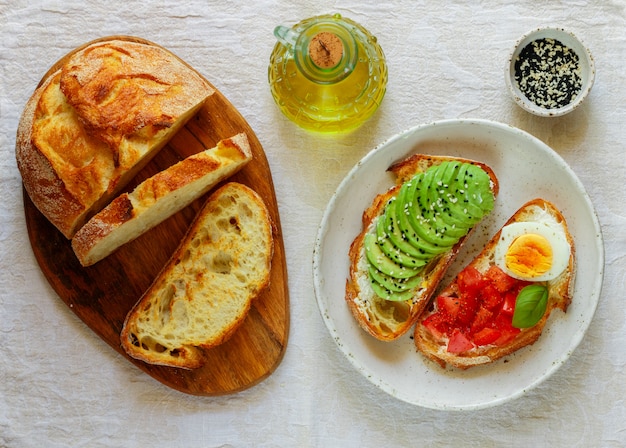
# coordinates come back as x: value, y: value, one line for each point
x: 502, y: 300
x: 410, y: 236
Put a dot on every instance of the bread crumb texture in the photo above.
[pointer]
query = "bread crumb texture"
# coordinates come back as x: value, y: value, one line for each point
x: 207, y: 289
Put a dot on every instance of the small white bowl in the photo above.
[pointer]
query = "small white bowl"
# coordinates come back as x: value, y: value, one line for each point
x: 586, y: 73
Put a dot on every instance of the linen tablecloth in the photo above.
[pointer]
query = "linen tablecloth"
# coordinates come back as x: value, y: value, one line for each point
x: 60, y: 385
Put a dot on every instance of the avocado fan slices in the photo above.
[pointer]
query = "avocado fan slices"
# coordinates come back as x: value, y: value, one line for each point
x: 430, y: 214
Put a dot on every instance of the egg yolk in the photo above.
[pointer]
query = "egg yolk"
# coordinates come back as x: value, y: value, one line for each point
x: 529, y: 256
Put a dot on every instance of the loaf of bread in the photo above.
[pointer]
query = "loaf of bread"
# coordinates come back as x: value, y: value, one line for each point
x: 486, y: 312
x: 94, y: 123
x: 404, y: 249
x: 205, y: 291
x: 157, y: 198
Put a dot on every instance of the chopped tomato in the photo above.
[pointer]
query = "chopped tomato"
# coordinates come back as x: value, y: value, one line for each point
x: 491, y: 296
x: 505, y: 337
x: 458, y: 342
x: 436, y: 325
x: 468, y: 306
x: 486, y: 336
x: 500, y: 279
x: 508, y: 306
x: 477, y: 310
x: 503, y: 324
x: 449, y: 307
x: 483, y: 317
x: 470, y: 281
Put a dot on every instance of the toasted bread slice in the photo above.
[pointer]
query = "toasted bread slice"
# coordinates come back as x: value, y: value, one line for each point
x: 385, y: 319
x: 157, y: 198
x: 435, y: 346
x: 93, y: 124
x: 205, y: 291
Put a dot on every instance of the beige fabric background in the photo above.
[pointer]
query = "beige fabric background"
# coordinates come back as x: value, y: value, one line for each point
x: 61, y: 386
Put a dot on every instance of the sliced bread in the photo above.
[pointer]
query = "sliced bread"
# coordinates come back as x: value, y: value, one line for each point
x: 205, y: 291
x: 157, y: 198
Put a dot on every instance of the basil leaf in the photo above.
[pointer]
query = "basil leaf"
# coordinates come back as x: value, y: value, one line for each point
x: 530, y: 306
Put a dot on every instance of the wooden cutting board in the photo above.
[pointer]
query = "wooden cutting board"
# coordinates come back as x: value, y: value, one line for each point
x: 102, y: 295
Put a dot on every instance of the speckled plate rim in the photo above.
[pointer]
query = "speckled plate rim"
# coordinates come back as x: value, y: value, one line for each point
x: 526, y: 168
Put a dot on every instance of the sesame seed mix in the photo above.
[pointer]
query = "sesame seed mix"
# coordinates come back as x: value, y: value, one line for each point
x: 548, y: 73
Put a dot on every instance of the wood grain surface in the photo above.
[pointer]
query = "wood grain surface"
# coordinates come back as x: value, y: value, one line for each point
x: 102, y: 295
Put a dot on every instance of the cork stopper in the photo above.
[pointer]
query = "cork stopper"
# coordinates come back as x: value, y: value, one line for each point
x: 325, y: 50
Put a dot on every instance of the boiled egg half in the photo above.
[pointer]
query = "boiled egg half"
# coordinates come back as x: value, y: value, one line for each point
x: 533, y: 251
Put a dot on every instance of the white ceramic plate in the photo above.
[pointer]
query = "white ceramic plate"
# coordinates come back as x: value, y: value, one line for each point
x: 526, y: 169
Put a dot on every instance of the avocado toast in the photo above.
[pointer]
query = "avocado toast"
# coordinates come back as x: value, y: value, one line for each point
x: 411, y: 234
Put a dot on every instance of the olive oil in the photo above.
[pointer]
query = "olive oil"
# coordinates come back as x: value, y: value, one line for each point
x: 327, y: 74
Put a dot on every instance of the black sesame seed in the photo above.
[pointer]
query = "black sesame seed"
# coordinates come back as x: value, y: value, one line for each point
x: 548, y: 73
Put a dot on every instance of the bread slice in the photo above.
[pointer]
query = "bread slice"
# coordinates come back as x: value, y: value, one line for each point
x: 94, y: 123
x: 157, y: 198
x: 384, y: 319
x: 560, y: 291
x: 205, y: 290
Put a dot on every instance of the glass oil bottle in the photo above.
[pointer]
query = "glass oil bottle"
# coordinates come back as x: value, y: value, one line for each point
x: 327, y: 74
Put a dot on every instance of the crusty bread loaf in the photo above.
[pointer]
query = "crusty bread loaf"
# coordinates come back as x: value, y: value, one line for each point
x: 559, y: 297
x: 93, y: 124
x: 384, y: 319
x: 205, y: 291
x: 157, y: 198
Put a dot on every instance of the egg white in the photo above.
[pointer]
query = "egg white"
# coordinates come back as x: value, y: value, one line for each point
x: 552, y: 232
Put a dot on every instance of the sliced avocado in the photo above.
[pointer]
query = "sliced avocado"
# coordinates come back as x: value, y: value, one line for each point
x: 397, y: 237
x: 458, y: 209
x: 405, y: 208
x: 380, y: 261
x: 386, y: 294
x: 472, y: 212
x: 428, y: 224
x: 391, y: 250
x: 446, y: 177
x: 452, y: 217
x: 450, y: 168
x: 394, y: 284
x: 431, y: 212
x: 479, y: 188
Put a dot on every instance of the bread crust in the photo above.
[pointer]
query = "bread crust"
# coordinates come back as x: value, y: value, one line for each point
x: 119, y: 88
x: 560, y: 292
x: 222, y: 265
x: 401, y: 315
x: 94, y: 123
x: 157, y: 198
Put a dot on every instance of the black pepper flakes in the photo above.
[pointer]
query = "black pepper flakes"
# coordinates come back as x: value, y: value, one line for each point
x: 548, y: 73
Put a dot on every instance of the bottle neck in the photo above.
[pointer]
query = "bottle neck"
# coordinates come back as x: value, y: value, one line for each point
x: 326, y: 53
